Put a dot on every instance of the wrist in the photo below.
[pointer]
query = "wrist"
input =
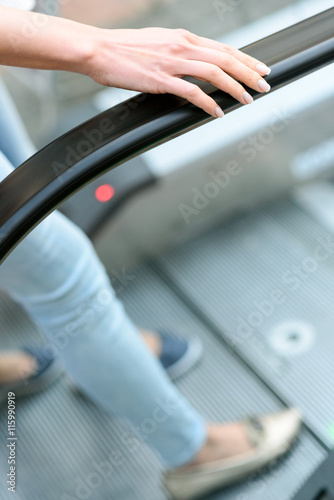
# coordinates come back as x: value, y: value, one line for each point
x: 97, y: 58
x: 79, y: 48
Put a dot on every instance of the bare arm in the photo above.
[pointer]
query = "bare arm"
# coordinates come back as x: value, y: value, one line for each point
x: 33, y: 40
x: 147, y: 60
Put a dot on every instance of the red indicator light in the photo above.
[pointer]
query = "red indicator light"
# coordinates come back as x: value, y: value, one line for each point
x: 104, y: 193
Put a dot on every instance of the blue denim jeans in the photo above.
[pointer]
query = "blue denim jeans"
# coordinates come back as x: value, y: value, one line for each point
x: 57, y: 277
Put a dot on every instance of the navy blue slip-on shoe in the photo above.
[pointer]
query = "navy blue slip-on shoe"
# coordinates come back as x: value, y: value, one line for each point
x: 48, y: 370
x: 178, y: 355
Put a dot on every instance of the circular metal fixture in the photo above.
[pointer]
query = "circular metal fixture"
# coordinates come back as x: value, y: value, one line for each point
x: 292, y: 338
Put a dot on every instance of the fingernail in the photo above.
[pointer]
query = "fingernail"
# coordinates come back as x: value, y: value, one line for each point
x: 264, y: 86
x: 219, y: 112
x: 248, y: 98
x: 262, y: 68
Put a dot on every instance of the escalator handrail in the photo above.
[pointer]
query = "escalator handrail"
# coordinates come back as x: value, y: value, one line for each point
x: 44, y: 181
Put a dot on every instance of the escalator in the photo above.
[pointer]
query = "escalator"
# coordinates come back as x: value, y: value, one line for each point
x: 257, y: 290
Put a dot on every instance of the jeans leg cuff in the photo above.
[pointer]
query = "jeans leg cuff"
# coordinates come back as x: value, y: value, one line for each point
x: 187, y: 454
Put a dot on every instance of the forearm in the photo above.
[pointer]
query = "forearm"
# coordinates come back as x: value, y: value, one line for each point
x: 34, y: 40
x: 151, y: 60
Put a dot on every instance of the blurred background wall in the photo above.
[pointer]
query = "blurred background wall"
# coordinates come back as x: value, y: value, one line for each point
x: 53, y: 102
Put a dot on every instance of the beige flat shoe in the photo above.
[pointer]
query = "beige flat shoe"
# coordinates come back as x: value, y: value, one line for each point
x: 272, y: 436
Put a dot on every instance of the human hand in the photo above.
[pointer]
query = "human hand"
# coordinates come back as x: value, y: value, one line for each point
x: 154, y: 60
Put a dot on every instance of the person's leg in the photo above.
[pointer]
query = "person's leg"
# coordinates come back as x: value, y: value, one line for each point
x: 17, y: 146
x: 55, y: 274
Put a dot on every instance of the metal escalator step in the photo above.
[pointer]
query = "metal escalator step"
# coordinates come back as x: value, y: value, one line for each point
x: 266, y: 282
x: 221, y: 388
x: 63, y: 439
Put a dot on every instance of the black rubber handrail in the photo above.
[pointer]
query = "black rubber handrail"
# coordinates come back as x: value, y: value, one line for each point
x: 60, y: 169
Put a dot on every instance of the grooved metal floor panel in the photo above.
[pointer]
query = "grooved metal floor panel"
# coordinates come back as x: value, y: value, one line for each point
x: 266, y: 282
x: 63, y: 439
